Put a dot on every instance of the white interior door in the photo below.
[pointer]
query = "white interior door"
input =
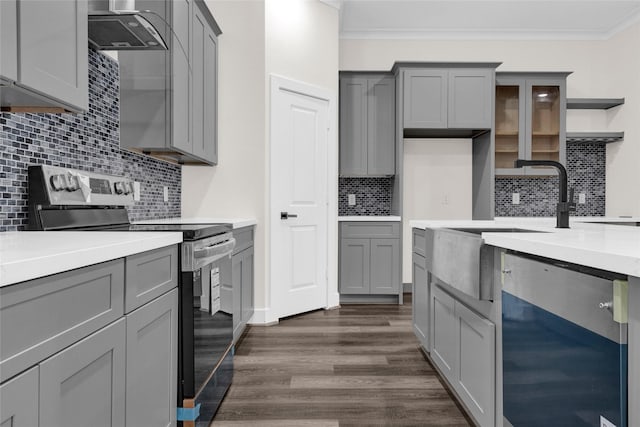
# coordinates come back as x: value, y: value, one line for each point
x: 299, y: 155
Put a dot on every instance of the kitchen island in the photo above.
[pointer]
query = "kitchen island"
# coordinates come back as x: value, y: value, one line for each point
x: 472, y: 360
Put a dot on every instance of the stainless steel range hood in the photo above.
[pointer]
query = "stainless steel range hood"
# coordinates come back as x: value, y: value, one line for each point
x: 117, y: 25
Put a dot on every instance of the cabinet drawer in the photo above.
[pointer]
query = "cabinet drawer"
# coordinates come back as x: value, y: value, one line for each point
x: 41, y: 317
x: 376, y: 230
x: 244, y: 239
x: 419, y: 242
x: 149, y: 275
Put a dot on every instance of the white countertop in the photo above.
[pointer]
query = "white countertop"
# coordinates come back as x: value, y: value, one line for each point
x: 26, y: 255
x: 608, y: 247
x: 235, y: 222
x: 370, y: 218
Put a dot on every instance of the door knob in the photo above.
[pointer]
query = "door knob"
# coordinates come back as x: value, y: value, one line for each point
x: 287, y: 215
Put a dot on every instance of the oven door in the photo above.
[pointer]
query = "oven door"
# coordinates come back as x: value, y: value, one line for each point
x: 206, y: 337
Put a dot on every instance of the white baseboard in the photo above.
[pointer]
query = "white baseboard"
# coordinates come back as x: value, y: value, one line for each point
x: 263, y: 317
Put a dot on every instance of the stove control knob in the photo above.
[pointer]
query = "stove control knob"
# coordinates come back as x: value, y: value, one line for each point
x: 72, y: 183
x: 58, y: 182
x: 118, y: 187
x: 129, y: 186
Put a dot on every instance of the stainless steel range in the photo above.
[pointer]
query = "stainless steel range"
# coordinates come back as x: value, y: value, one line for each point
x: 68, y: 199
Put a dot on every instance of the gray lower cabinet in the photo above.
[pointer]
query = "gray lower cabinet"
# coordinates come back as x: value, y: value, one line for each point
x: 463, y: 349
x: 242, y: 280
x: 84, y: 384
x: 78, y: 360
x: 420, y: 300
x: 369, y: 258
x: 19, y: 400
x: 152, y: 343
x: 168, y: 100
x: 448, y: 98
x: 44, y: 66
x: 367, y: 124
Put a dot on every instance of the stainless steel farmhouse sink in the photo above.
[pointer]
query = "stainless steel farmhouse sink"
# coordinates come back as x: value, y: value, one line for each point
x: 460, y: 258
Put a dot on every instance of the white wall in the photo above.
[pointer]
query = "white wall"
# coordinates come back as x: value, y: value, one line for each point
x: 302, y: 44
x: 438, y: 172
x: 297, y: 39
x: 236, y: 187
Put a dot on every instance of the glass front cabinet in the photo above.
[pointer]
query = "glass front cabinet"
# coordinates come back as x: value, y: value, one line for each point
x: 530, y: 121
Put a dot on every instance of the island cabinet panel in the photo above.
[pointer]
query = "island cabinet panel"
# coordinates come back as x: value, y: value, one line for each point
x: 19, y: 400
x: 463, y: 348
x: 56, y: 311
x: 367, y: 125
x: 420, y: 300
x: 84, y: 385
x: 240, y: 291
x: 448, y: 98
x: 152, y: 343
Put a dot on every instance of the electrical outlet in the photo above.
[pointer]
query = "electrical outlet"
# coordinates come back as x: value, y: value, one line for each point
x: 605, y: 422
x: 352, y: 199
x: 445, y: 199
x: 582, y: 198
x: 515, y: 198
x: 136, y: 191
x: 166, y: 194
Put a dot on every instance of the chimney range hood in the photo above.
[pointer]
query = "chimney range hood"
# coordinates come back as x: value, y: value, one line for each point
x: 117, y: 25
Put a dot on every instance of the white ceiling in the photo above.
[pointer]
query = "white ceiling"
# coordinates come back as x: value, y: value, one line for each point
x: 486, y: 19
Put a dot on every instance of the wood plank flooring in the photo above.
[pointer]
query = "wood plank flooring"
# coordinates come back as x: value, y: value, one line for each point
x: 359, y: 365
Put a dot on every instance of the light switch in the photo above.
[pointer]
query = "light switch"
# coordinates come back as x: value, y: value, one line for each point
x: 352, y: 199
x: 515, y: 198
x: 166, y: 194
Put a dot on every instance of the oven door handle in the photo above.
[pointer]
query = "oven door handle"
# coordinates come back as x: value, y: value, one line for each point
x: 216, y: 251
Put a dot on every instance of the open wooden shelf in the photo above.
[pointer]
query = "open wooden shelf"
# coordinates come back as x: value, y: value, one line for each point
x: 593, y: 103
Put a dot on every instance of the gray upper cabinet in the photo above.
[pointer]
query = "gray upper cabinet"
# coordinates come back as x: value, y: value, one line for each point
x: 367, y: 125
x: 168, y: 100
x: 448, y: 97
x: 425, y: 99
x: 44, y: 67
x: 530, y: 121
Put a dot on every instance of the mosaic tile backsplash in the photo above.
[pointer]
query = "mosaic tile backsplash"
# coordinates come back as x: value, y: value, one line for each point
x: 538, y: 196
x: 88, y: 141
x: 373, y: 196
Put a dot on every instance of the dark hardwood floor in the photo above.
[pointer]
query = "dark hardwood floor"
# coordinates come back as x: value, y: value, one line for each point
x: 359, y: 365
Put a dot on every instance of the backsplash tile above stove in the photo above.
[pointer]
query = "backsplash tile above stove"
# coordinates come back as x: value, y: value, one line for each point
x: 87, y: 141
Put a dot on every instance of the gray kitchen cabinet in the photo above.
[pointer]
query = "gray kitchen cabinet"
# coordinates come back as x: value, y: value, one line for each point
x: 420, y: 300
x: 242, y: 280
x: 448, y: 98
x: 85, y: 383
x: 463, y: 348
x: 168, y: 99
x: 152, y: 367
x: 369, y: 258
x: 44, y: 67
x: 19, y: 400
x: 77, y: 355
x: 367, y: 125
x: 530, y: 121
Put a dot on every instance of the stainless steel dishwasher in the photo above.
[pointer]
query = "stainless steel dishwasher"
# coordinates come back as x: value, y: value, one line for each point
x: 564, y: 344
